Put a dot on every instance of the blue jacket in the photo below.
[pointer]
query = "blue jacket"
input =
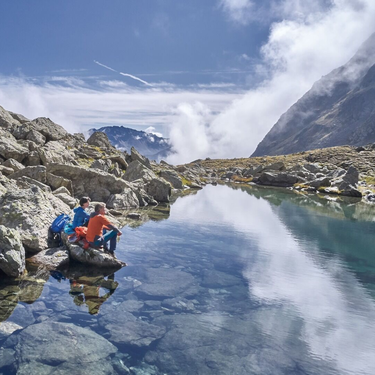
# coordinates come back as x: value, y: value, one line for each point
x: 80, y: 217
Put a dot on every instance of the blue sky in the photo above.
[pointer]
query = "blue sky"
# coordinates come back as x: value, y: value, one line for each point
x: 219, y: 73
x: 182, y: 42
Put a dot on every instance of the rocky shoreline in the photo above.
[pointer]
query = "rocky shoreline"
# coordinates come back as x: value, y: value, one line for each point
x: 44, y: 170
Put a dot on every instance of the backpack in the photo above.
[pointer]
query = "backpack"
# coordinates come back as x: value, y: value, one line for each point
x: 54, y: 239
x: 59, y: 223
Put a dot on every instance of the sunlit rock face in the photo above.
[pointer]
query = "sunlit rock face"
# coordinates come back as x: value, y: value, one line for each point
x: 12, y: 252
x: 338, y: 110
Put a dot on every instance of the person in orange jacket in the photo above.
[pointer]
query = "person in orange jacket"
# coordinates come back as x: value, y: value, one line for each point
x: 98, y: 221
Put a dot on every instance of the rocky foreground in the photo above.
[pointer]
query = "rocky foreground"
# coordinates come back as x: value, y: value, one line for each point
x: 44, y: 170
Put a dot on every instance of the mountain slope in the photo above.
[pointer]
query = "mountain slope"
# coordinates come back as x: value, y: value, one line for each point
x: 338, y: 110
x: 148, y: 144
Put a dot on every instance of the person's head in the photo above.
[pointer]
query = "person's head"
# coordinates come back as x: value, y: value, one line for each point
x: 84, y: 202
x: 100, y: 208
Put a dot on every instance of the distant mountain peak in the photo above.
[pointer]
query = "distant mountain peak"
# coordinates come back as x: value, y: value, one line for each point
x: 148, y: 144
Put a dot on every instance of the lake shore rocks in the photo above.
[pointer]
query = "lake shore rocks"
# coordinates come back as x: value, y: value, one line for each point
x: 12, y: 252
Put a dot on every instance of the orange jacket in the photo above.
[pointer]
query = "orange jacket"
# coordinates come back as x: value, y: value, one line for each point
x: 95, y: 227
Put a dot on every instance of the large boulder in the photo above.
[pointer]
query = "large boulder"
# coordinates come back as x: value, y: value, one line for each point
x: 99, y: 139
x: 119, y: 159
x: 137, y: 170
x: 50, y: 259
x: 94, y: 257
x: 351, y: 176
x: 278, y: 179
x: 320, y: 182
x: 12, y: 252
x: 32, y: 159
x: 173, y: 178
x: 67, y: 199
x: 55, y: 152
x: 127, y: 199
x: 10, y: 148
x: 52, y: 131
x: 37, y: 172
x: 159, y: 189
x: 6, y: 171
x: 135, y: 155
x: 30, y: 211
x: 57, y: 182
x: 6, y: 120
x: 59, y: 348
x: 14, y: 164
x: 98, y: 185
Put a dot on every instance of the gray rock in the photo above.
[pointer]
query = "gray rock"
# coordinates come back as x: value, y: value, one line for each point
x: 136, y: 170
x: 98, y: 185
x: 127, y: 199
x: 61, y: 190
x: 278, y: 179
x: 94, y: 257
x: 25, y: 182
x: 14, y: 164
x: 55, y: 152
x: 120, y: 159
x: 50, y: 258
x: 73, y: 350
x: 67, y: 199
x: 30, y: 211
x: 6, y: 171
x: 173, y: 178
x: 313, y: 168
x: 100, y: 139
x: 103, y: 165
x: 52, y: 131
x: 57, y: 182
x: 135, y: 155
x: 32, y: 159
x: 10, y: 148
x: 36, y: 172
x: 351, y: 176
x: 36, y: 137
x: 319, y: 182
x: 20, y: 118
x: 278, y: 166
x: 159, y: 189
x: 6, y: 120
x: 12, y: 252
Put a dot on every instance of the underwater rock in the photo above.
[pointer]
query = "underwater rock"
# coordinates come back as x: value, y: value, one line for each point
x: 72, y: 350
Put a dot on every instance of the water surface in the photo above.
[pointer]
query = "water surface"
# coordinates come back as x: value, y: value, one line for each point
x: 234, y: 281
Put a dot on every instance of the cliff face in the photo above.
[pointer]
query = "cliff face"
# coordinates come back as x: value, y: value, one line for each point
x: 338, y: 110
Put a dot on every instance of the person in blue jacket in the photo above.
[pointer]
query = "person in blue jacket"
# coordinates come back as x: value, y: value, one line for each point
x: 81, y: 217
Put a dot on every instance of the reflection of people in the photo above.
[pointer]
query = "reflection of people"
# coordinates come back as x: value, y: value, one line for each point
x: 81, y: 217
x: 86, y: 290
x: 95, y: 235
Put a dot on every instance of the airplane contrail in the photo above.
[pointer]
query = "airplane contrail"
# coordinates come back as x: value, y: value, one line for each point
x: 123, y: 74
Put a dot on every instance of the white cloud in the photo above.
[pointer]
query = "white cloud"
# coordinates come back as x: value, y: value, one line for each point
x: 299, y: 51
x: 239, y: 11
x: 152, y: 130
x: 79, y: 108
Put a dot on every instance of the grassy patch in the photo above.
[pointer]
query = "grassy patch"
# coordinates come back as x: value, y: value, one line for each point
x: 236, y: 178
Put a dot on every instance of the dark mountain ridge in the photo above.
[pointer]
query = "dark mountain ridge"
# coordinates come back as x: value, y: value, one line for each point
x: 338, y: 110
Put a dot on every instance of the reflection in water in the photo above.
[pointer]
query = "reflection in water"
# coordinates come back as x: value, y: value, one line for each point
x: 86, y: 290
x: 290, y: 269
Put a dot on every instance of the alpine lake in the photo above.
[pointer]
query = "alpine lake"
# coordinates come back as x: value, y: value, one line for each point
x: 231, y: 279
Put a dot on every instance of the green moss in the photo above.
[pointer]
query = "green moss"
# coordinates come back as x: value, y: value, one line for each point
x: 370, y: 180
x: 186, y: 181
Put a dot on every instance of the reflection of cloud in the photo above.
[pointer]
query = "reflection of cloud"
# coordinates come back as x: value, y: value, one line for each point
x: 338, y: 315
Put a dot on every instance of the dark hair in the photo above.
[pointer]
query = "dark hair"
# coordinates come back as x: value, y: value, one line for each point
x: 99, y: 206
x: 84, y: 200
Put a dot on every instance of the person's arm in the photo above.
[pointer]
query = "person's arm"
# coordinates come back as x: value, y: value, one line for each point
x: 108, y: 224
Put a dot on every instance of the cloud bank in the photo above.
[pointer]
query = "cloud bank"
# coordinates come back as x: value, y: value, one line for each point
x: 306, y: 41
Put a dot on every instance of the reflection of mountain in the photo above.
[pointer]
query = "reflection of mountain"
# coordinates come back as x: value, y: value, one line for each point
x: 148, y: 144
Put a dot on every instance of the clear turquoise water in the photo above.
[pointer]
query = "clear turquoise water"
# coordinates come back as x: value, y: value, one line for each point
x: 235, y: 281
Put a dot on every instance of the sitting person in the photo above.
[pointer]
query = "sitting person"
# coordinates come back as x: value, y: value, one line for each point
x: 81, y: 217
x: 98, y: 222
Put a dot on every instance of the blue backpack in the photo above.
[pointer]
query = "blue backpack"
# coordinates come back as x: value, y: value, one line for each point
x: 59, y: 223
